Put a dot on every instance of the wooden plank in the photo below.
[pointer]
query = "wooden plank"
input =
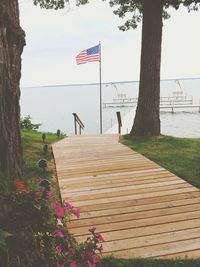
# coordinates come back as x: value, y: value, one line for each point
x: 117, y: 192
x: 142, y: 201
x: 125, y: 173
x: 133, y: 173
x: 142, y: 209
x: 145, y: 231
x: 97, y: 172
x: 150, y: 240
x: 137, y: 196
x: 87, y: 186
x: 103, y: 170
x: 116, y: 178
x: 134, y: 216
x: 159, y: 249
x: 129, y: 188
x: 139, y: 208
x: 118, y: 226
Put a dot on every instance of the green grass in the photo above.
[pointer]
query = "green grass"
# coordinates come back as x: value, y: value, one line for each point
x: 113, y: 262
x: 33, y: 152
x: 180, y: 156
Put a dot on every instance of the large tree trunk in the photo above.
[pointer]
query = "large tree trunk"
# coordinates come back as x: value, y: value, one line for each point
x: 12, y: 41
x: 147, y: 118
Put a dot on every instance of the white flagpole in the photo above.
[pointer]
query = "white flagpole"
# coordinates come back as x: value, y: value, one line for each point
x: 100, y: 93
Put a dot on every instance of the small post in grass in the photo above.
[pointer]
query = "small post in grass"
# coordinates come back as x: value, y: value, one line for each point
x: 58, y: 133
x: 42, y: 163
x: 45, y: 148
x: 43, y: 137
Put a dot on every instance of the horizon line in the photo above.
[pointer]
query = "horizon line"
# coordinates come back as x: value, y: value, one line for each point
x: 105, y: 83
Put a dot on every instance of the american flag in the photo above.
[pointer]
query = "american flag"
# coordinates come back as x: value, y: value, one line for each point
x: 89, y: 55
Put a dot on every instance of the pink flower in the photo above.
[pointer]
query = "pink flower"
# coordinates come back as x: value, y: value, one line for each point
x: 72, y: 251
x: 83, y: 255
x: 76, y: 212
x: 39, y: 180
x: 68, y: 205
x: 59, y: 264
x: 53, y: 206
x: 59, y: 233
x: 97, y: 235
x: 73, y: 264
x: 100, y: 249
x: 49, y: 196
x: 60, y: 211
x: 89, y: 264
x: 92, y: 230
x: 95, y: 259
x: 100, y: 237
x: 58, y: 249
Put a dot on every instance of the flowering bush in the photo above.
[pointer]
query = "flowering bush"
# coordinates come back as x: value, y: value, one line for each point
x: 26, y: 221
x: 68, y: 251
x: 33, y: 231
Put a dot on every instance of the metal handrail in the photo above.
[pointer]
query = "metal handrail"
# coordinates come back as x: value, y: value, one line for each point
x: 77, y: 120
x: 119, y: 121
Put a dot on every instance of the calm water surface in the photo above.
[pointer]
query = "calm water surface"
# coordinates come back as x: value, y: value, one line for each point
x: 53, y: 106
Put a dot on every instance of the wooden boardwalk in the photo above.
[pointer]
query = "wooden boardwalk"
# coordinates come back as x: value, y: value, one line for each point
x: 141, y: 209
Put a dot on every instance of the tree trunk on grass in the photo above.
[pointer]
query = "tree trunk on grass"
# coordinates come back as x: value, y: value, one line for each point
x: 12, y: 41
x: 147, y: 118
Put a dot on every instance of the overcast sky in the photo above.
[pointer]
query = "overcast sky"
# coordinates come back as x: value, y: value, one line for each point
x: 54, y: 38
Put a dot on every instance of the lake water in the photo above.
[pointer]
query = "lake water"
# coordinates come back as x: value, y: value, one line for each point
x: 53, y: 106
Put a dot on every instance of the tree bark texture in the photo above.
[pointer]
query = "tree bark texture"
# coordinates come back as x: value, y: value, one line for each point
x: 147, y: 118
x: 12, y: 41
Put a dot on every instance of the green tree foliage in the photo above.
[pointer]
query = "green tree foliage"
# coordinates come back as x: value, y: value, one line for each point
x: 136, y: 8
x: 124, y: 6
x: 51, y: 4
x: 26, y: 123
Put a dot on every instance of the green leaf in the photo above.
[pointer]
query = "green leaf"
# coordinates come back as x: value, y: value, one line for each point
x: 37, y: 206
x: 3, y: 236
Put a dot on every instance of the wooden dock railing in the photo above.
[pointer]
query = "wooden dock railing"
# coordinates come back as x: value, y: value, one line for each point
x: 119, y: 121
x: 79, y: 122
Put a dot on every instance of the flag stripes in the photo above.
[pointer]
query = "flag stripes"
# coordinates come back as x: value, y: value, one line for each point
x: 88, y: 55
